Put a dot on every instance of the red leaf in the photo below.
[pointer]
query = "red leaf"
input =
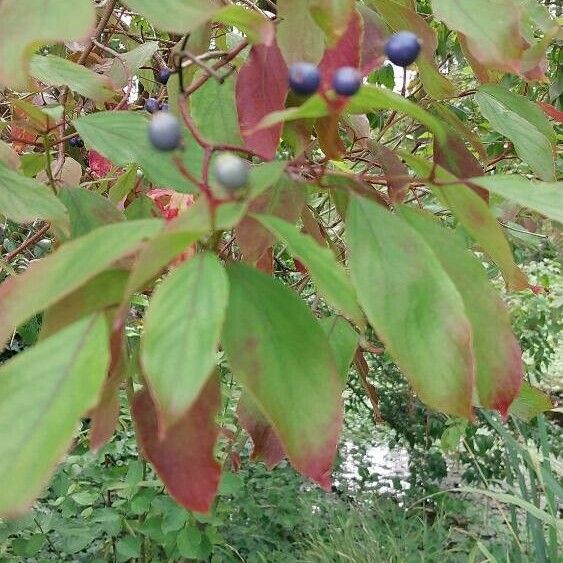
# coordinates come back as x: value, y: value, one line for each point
x: 267, y: 446
x: 261, y: 88
x: 551, y: 111
x: 99, y: 165
x: 345, y: 53
x: 184, y: 457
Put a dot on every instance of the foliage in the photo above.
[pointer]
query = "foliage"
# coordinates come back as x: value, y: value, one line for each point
x: 371, y: 228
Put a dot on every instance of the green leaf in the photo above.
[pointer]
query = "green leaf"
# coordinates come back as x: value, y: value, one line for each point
x: 262, y: 176
x: 127, y: 64
x: 24, y: 23
x: 530, y: 402
x: 88, y: 210
x: 189, y: 541
x: 257, y: 27
x: 182, y: 330
x: 343, y: 340
x: 122, y: 137
x: 177, y: 16
x: 412, y: 305
x: 214, y: 110
x: 498, y: 358
x: 56, y: 71
x: 43, y: 393
x: 524, y: 124
x: 59, y: 274
x: 129, y: 547
x: 545, y: 198
x: 475, y: 215
x: 368, y: 99
x: 124, y: 185
x: 23, y: 200
x: 298, y: 36
x: 280, y: 355
x: 326, y: 272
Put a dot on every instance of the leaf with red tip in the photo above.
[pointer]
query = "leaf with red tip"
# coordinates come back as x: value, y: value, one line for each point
x: 281, y: 356
x: 183, y: 458
x: 498, y: 358
x: 261, y: 88
x: 267, y: 446
x: 412, y: 305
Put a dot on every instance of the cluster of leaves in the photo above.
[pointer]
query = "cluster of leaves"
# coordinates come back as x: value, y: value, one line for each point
x: 78, y: 159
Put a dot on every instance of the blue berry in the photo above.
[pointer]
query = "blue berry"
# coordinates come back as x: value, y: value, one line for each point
x: 152, y: 105
x: 76, y: 142
x: 164, y: 107
x: 346, y: 81
x: 165, y: 131
x: 163, y: 75
x: 304, y: 78
x: 231, y: 171
x: 403, y: 48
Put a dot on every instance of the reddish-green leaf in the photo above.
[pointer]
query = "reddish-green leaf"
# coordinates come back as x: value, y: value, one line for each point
x: 261, y: 89
x: 498, y: 358
x: 326, y: 272
x: 282, y: 358
x: 43, y: 393
x: 52, y: 278
x: 182, y: 329
x: 284, y: 200
x: 413, y: 306
x: 267, y: 446
x: 183, y: 458
x: 396, y: 172
x: 332, y: 16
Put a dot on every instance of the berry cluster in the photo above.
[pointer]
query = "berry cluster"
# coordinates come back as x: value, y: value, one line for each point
x: 305, y: 79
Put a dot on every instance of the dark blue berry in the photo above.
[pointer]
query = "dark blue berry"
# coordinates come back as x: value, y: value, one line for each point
x: 403, y: 48
x: 304, y: 78
x: 346, y: 81
x: 163, y: 75
x: 164, y: 107
x: 76, y: 142
x: 165, y: 131
x: 152, y: 105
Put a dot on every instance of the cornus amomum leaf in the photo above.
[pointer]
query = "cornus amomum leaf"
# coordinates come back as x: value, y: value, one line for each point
x: 182, y: 329
x: 498, y: 358
x: 328, y: 274
x: 43, y: 394
x: 283, y: 359
x: 24, y: 22
x: 398, y: 279
x: 183, y: 457
x: 64, y: 271
x: 476, y: 217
